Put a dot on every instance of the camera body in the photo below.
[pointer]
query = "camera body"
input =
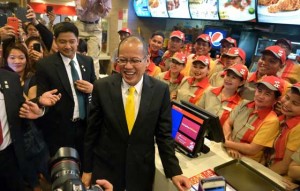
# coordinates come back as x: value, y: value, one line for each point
x: 65, y: 171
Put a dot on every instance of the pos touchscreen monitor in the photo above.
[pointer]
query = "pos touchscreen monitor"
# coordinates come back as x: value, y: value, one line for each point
x: 188, y: 129
x: 214, y: 130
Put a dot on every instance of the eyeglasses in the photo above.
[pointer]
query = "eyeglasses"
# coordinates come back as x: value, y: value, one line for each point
x: 133, y: 61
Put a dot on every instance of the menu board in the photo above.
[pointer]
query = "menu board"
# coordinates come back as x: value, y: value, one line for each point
x: 178, y: 9
x: 278, y: 12
x: 237, y: 10
x: 158, y: 8
x: 141, y: 8
x: 204, y: 9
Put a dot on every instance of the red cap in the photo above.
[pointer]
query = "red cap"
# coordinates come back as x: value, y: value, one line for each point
x: 177, y: 34
x: 180, y: 57
x: 204, y: 59
x: 277, y: 51
x: 230, y: 40
x: 125, y: 30
x: 273, y: 83
x: 296, y: 86
x: 239, y: 69
x: 204, y: 37
x: 235, y: 51
x: 284, y: 41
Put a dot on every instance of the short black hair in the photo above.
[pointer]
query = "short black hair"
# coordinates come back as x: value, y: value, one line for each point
x: 63, y: 27
x: 158, y: 33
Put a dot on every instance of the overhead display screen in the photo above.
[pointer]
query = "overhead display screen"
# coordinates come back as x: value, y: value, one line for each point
x: 204, y: 9
x: 237, y: 10
x: 158, y: 8
x: 141, y: 8
x: 278, y: 12
x: 178, y: 9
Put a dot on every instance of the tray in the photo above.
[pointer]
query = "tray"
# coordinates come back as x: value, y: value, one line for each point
x: 243, y: 177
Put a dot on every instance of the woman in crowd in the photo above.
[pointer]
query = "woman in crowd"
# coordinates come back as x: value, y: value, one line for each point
x: 222, y: 100
x: 173, y: 77
x: 253, y: 125
x: 287, y: 141
x: 192, y: 87
x: 155, y: 47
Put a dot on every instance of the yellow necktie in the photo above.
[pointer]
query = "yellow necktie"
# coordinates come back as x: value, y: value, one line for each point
x: 129, y: 109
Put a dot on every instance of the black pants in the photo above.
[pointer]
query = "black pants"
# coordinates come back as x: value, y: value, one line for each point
x: 10, y: 175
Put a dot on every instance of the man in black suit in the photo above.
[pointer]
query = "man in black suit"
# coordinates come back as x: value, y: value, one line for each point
x: 114, y: 151
x: 72, y: 74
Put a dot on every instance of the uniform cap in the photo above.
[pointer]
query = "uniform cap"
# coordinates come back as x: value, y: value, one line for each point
x: 204, y: 59
x: 239, y: 69
x: 284, y: 41
x: 177, y: 34
x: 296, y: 86
x: 180, y: 57
x: 234, y: 52
x: 277, y: 51
x: 230, y: 40
x: 125, y: 30
x: 273, y: 83
x: 205, y: 38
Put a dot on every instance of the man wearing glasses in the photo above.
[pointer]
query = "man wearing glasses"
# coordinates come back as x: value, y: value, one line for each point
x: 125, y: 121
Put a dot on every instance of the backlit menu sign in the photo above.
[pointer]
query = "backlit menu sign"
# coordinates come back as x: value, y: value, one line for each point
x: 141, y: 8
x: 204, y: 9
x: 277, y: 12
x: 237, y: 10
x: 158, y: 8
x: 178, y: 9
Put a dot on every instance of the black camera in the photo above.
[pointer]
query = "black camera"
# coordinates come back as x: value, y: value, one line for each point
x: 65, y: 173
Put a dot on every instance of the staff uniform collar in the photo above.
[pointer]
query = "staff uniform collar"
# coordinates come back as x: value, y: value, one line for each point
x: 261, y: 113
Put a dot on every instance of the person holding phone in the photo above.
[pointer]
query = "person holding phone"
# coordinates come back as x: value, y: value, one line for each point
x: 36, y: 50
x: 89, y: 14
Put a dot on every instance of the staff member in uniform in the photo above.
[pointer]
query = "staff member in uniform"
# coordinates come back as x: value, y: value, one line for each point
x: 290, y: 71
x: 253, y: 125
x: 202, y: 47
x: 233, y: 56
x: 176, y: 42
x: 156, y: 43
x: 173, y: 77
x: 222, y: 100
x: 287, y: 141
x: 192, y: 87
x: 126, y: 121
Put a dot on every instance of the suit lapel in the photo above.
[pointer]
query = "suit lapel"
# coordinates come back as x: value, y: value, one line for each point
x: 118, y: 107
x: 63, y: 75
x: 146, y: 97
x: 82, y: 66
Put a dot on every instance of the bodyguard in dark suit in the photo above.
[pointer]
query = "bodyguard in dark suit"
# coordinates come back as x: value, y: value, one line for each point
x: 118, y: 152
x: 72, y: 74
x: 12, y: 159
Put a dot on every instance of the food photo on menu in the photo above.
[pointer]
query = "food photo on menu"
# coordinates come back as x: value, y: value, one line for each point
x: 141, y: 8
x: 178, y: 9
x: 279, y: 11
x: 158, y: 8
x: 204, y: 9
x: 237, y: 10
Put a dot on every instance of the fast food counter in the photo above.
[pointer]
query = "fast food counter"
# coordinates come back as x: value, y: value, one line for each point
x: 204, y: 164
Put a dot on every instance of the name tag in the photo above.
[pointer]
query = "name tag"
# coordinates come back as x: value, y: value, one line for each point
x: 249, y: 126
x: 192, y: 95
x: 227, y: 108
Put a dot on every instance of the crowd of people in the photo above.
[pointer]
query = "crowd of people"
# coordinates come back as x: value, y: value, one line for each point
x: 48, y: 78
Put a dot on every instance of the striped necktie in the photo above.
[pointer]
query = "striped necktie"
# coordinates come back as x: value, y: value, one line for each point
x: 129, y: 109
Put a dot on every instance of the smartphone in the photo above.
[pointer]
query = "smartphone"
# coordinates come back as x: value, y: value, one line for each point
x: 37, y: 47
x: 216, y: 183
x: 49, y: 9
x: 21, y: 13
x: 3, y: 19
x: 14, y: 22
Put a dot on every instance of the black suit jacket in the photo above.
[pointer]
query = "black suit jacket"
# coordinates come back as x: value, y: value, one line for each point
x: 123, y: 158
x: 13, y: 95
x: 56, y: 123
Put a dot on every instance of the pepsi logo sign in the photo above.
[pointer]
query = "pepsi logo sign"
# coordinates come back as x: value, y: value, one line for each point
x: 216, y: 38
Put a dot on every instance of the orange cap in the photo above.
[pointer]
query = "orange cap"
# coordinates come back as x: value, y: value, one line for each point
x: 235, y: 51
x: 204, y: 37
x: 277, y: 51
x: 204, y: 59
x: 125, y: 30
x: 273, y: 83
x: 178, y: 34
x: 230, y: 40
x: 180, y: 57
